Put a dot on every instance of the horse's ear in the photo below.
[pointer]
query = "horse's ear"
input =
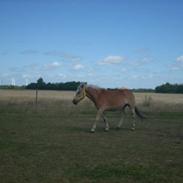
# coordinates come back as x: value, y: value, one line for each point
x: 83, y: 84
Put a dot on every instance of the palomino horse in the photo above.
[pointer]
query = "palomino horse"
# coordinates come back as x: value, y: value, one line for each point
x: 105, y: 100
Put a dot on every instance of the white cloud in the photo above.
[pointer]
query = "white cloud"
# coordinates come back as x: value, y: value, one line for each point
x: 142, y: 62
x: 78, y: 66
x: 174, y: 68
x: 180, y: 59
x: 123, y: 69
x: 91, y: 74
x: 112, y: 59
x: 25, y: 76
x: 64, y: 55
x: 13, y: 82
x: 178, y: 65
x: 135, y: 76
x: 63, y: 76
x: 53, y: 65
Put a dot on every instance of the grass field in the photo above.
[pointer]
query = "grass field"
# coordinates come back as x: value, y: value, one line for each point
x: 51, y: 143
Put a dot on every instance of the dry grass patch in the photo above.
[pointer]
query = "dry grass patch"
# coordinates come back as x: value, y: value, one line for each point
x: 146, y: 101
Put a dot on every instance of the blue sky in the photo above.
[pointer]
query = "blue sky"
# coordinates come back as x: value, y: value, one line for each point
x: 110, y: 43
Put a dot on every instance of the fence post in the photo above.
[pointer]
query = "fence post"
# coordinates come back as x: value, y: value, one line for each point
x: 36, y: 96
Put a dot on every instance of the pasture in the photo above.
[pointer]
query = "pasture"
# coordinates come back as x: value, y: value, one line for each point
x: 51, y: 143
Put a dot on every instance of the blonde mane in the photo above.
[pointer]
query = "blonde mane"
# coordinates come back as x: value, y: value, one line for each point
x: 94, y: 86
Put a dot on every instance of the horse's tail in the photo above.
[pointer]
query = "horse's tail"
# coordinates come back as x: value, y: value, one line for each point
x: 139, y: 114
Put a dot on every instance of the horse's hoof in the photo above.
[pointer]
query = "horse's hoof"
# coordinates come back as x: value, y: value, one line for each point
x: 106, y: 130
x: 133, y: 129
x: 92, y: 131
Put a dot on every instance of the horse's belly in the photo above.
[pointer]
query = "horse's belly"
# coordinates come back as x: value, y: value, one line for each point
x: 113, y: 106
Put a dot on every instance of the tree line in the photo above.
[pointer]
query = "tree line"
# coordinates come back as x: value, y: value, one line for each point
x: 72, y: 85
x: 164, y: 88
x: 41, y: 85
x: 169, y: 88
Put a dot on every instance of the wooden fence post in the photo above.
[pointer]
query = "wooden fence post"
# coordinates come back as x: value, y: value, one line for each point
x: 36, y: 96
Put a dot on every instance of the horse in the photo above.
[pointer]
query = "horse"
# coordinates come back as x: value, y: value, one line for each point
x: 105, y: 100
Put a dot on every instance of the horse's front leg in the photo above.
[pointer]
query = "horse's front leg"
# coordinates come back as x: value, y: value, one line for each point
x: 121, y: 120
x: 99, y: 114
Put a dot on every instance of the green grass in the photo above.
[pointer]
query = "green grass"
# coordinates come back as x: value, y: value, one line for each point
x: 52, y: 144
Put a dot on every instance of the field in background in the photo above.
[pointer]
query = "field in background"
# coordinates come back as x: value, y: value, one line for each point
x: 154, y: 101
x: 67, y: 95
x: 51, y: 143
x: 29, y: 95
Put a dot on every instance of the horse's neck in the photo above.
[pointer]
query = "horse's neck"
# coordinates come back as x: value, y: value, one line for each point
x: 92, y: 94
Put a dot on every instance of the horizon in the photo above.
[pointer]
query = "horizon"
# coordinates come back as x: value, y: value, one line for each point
x: 110, y: 43
x: 13, y: 84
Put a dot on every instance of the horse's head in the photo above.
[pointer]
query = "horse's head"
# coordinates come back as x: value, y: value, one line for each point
x: 80, y: 93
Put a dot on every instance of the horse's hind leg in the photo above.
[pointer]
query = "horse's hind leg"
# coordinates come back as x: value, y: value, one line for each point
x: 121, y: 120
x: 133, y: 120
x: 106, y: 123
x: 99, y: 114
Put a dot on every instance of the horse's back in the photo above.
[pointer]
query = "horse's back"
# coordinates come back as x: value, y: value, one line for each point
x: 116, y: 98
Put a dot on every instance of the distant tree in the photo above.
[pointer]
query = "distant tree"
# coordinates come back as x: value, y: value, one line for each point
x: 144, y: 90
x: 41, y: 84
